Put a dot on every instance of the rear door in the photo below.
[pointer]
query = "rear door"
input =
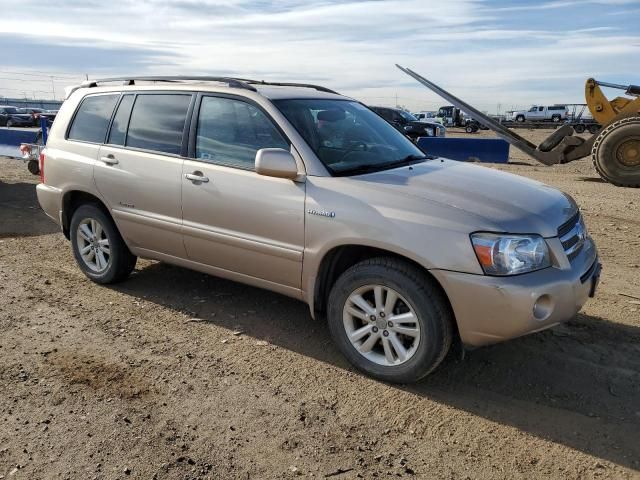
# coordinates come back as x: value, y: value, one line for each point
x: 235, y: 219
x: 139, y: 169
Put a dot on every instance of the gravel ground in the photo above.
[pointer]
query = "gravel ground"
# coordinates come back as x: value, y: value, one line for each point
x: 177, y: 375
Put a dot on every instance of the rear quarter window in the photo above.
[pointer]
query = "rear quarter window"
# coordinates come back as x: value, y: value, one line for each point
x: 92, y: 118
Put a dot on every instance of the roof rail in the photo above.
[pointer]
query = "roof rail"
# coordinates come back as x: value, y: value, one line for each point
x: 288, y: 84
x: 232, y: 82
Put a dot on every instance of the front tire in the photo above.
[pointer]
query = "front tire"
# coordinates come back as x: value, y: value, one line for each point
x: 616, y: 152
x: 98, y: 247
x: 9, y: 123
x: 390, y: 320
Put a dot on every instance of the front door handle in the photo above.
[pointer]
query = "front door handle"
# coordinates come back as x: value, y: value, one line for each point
x: 109, y: 160
x: 196, y: 177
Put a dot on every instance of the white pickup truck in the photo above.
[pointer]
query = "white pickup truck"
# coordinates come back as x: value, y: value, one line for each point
x: 553, y: 113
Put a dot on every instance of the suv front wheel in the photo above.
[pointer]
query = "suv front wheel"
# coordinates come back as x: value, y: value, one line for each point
x: 390, y: 320
x: 98, y: 247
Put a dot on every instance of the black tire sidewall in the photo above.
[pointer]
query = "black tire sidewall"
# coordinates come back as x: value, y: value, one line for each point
x: 428, y: 310
x: 604, y: 157
x: 116, y: 245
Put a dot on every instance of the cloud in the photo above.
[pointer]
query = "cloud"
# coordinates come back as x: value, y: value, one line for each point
x: 487, y: 52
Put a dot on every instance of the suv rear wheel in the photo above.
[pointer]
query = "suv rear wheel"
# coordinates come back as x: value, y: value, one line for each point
x: 98, y: 247
x: 390, y: 320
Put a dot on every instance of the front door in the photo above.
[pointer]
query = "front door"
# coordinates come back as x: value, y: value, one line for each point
x: 139, y: 170
x: 233, y: 218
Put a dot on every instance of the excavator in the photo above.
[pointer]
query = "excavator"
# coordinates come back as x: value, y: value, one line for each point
x: 615, y: 149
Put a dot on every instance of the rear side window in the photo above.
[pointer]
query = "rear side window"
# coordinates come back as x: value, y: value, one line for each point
x: 157, y: 122
x: 120, y: 121
x: 92, y: 118
x: 230, y: 132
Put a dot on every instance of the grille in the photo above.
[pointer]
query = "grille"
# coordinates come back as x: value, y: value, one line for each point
x: 572, y: 235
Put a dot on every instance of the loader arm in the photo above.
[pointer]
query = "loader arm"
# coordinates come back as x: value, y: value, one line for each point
x: 560, y: 147
x: 603, y: 110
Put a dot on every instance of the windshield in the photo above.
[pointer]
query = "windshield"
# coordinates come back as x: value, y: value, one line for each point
x: 407, y: 116
x: 348, y: 137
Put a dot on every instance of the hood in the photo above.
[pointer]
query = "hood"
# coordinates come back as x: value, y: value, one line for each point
x: 499, y: 201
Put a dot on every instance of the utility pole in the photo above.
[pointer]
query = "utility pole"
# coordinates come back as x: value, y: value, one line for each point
x: 53, y: 87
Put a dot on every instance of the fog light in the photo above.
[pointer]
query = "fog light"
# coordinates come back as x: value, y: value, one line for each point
x: 543, y: 307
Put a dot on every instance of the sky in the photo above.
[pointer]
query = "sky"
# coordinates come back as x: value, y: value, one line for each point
x: 495, y: 54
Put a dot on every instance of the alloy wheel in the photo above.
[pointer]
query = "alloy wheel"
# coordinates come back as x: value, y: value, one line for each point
x: 381, y: 325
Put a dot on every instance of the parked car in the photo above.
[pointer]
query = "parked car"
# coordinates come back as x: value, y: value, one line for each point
x: 308, y: 193
x: 410, y: 125
x: 14, y: 117
x: 554, y: 113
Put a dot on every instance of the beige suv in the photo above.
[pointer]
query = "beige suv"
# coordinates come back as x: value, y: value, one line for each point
x: 299, y: 190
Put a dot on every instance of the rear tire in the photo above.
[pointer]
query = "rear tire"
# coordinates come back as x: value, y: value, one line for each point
x: 402, y: 298
x: 556, y: 118
x: 34, y: 167
x: 579, y: 128
x: 98, y: 247
x: 9, y: 123
x: 520, y: 118
x: 616, y: 152
x: 593, y: 129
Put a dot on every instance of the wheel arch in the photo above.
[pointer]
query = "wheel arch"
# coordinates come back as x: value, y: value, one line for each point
x: 73, y: 199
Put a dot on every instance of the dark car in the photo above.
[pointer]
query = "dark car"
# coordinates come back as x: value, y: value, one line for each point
x: 14, y: 117
x: 35, y: 114
x: 408, y: 124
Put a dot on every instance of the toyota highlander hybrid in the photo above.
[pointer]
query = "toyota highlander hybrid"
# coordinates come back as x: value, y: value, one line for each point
x: 297, y: 189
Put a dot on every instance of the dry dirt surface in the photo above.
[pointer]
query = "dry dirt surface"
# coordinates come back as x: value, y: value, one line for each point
x: 177, y: 375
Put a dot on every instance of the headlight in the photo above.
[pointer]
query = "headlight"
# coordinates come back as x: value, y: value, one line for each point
x: 502, y: 254
x: 408, y: 127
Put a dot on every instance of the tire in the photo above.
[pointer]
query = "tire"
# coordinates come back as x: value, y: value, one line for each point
x: 616, y: 152
x: 594, y: 129
x: 9, y: 123
x: 579, y: 128
x: 556, y: 118
x: 520, y: 118
x: 417, y: 295
x: 119, y: 260
x: 469, y: 129
x: 34, y: 167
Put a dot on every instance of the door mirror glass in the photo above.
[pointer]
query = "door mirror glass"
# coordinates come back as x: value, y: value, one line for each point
x: 276, y: 162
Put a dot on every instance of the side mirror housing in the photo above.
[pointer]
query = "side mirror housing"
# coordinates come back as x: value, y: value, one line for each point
x: 276, y: 162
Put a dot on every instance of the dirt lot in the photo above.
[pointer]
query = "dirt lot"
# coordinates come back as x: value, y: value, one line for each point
x: 176, y: 375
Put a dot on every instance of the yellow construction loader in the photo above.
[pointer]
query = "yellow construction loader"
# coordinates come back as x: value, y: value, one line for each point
x: 615, y: 149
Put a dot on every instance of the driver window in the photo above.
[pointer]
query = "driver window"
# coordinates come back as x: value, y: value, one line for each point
x: 540, y: 109
x: 533, y: 109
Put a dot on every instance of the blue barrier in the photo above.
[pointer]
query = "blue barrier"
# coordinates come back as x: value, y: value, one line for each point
x: 11, y: 138
x: 490, y: 150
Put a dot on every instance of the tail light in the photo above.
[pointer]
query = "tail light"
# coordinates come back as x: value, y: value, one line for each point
x: 42, y: 167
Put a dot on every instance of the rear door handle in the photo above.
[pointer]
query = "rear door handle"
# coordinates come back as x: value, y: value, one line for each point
x: 196, y: 177
x: 109, y: 160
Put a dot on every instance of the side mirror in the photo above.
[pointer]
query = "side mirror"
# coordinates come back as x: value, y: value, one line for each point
x: 276, y: 162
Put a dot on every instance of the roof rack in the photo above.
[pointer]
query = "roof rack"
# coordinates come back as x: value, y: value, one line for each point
x: 288, y: 84
x: 232, y: 82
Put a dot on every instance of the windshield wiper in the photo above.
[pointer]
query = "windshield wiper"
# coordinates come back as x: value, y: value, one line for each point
x: 408, y: 160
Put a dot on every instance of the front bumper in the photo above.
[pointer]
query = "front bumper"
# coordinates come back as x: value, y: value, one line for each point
x: 493, y: 309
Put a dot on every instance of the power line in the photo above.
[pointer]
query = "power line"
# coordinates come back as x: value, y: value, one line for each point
x: 35, y: 73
